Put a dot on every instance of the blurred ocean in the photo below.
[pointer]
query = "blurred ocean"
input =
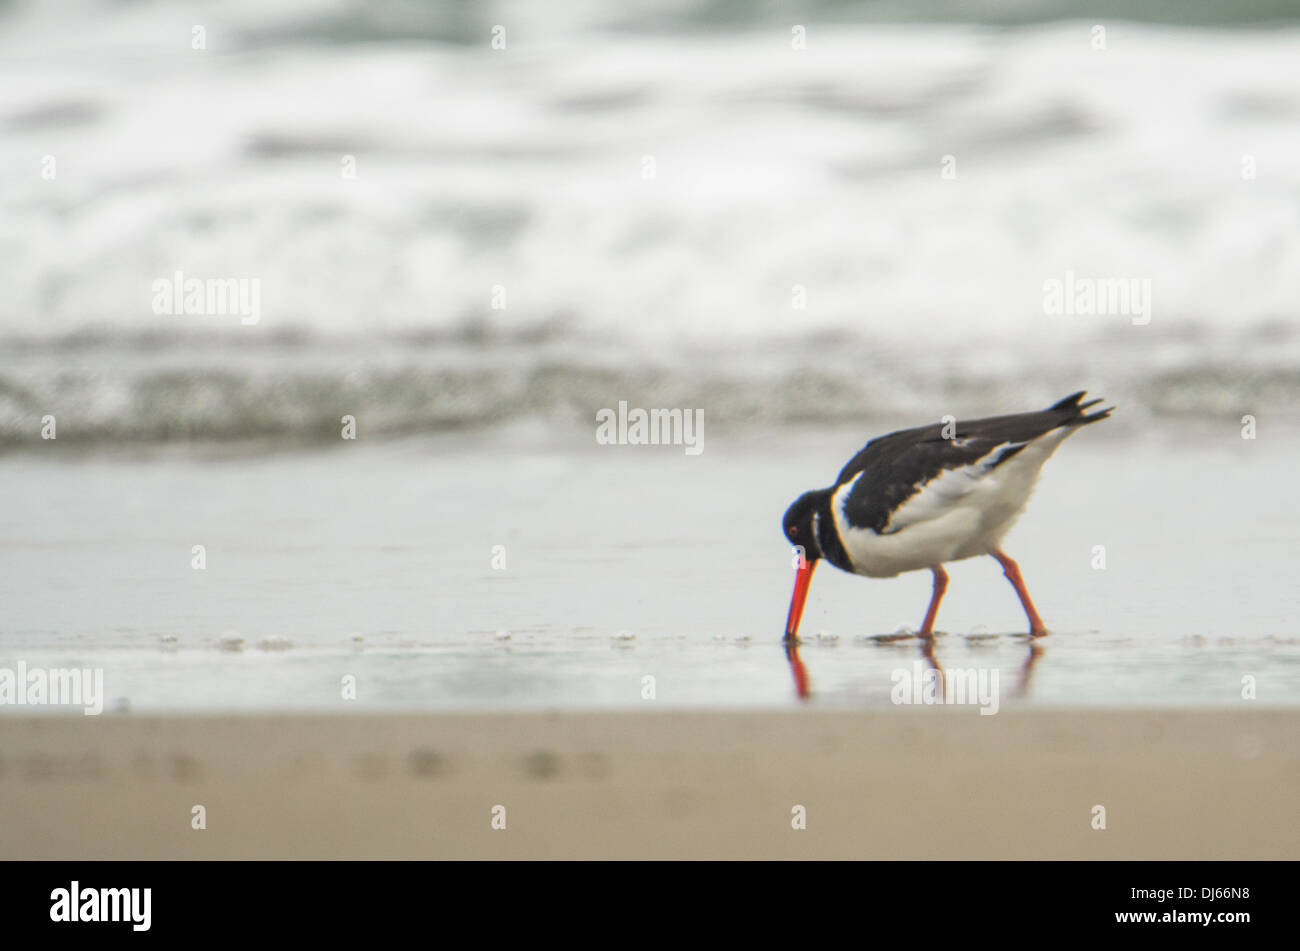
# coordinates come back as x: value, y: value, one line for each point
x: 659, y: 202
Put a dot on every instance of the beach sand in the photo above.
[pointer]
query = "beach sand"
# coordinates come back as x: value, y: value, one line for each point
x: 896, y: 784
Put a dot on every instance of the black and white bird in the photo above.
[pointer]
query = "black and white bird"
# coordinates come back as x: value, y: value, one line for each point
x: 920, y: 498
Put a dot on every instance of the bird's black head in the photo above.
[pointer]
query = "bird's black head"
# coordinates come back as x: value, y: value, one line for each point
x: 802, y: 521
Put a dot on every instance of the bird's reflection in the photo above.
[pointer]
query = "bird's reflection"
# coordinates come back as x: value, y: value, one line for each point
x: 797, y: 669
x: 1027, y: 668
x: 927, y: 654
x: 803, y: 686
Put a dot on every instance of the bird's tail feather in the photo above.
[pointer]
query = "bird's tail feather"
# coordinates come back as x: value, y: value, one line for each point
x: 1075, y: 409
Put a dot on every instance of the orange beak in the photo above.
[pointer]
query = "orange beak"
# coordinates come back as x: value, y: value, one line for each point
x: 801, y: 581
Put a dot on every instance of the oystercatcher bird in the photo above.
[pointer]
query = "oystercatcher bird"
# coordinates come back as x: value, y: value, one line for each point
x: 919, y: 498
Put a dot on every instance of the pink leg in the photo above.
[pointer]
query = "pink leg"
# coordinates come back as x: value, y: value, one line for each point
x: 940, y: 586
x: 1009, y: 568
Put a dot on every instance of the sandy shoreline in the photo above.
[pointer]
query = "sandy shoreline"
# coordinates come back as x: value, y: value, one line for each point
x: 897, y: 784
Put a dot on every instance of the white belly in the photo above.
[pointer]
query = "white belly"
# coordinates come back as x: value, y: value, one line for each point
x: 963, y: 513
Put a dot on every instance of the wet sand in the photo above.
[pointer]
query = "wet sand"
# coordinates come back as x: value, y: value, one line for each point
x: 616, y: 564
x: 908, y: 783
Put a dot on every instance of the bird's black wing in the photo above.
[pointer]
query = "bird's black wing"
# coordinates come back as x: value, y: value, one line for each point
x: 893, y: 468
